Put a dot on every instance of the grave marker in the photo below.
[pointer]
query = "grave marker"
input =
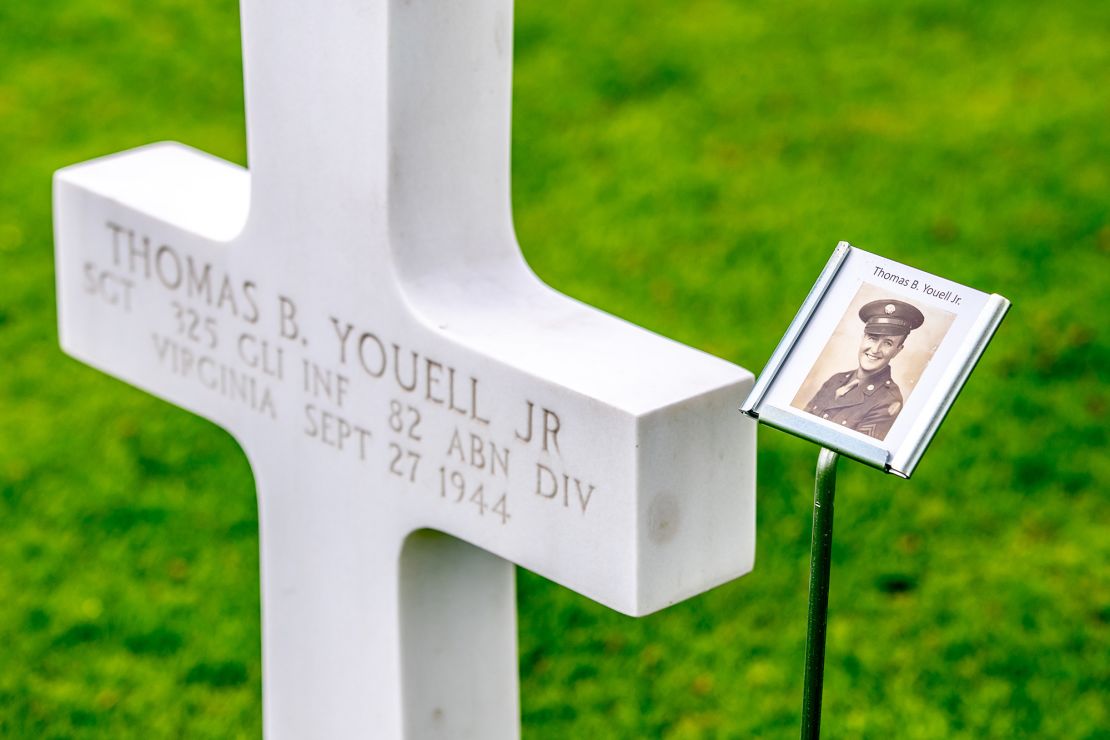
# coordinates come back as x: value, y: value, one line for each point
x: 356, y: 313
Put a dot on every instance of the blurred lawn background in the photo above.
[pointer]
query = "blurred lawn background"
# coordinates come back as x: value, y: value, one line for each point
x: 688, y: 166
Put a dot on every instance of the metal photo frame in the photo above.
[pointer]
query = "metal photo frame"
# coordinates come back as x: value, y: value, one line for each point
x: 940, y: 372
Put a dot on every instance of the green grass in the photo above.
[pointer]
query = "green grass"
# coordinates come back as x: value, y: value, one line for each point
x: 687, y: 166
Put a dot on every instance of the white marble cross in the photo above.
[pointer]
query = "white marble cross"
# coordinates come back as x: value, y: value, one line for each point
x: 419, y: 410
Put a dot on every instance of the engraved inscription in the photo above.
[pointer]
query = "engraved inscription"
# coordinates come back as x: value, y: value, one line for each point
x: 365, y: 395
x: 110, y: 287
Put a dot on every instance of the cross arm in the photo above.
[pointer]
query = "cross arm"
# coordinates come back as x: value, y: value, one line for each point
x: 632, y: 472
x: 151, y: 220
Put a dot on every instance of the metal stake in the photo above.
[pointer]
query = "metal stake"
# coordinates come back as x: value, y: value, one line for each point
x: 820, y: 560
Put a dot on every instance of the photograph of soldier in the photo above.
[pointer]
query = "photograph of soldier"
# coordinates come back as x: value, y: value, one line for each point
x: 866, y: 398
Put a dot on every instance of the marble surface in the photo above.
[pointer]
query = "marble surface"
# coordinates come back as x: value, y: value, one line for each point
x: 420, y: 411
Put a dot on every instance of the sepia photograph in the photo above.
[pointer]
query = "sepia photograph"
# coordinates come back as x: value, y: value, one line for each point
x: 873, y: 361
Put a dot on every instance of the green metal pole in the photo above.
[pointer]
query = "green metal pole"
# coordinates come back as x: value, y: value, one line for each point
x: 820, y: 560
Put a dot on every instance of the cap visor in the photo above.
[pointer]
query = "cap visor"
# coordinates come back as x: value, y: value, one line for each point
x: 886, y: 330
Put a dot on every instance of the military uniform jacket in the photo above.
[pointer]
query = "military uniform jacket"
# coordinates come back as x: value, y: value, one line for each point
x: 869, y: 406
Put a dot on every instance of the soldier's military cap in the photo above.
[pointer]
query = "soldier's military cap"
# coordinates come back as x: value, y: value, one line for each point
x: 889, y: 317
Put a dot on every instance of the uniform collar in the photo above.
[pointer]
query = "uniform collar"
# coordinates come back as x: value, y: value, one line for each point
x: 862, y: 391
x: 879, y: 380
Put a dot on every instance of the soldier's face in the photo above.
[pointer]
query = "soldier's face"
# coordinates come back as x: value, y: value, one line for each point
x: 877, y: 350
